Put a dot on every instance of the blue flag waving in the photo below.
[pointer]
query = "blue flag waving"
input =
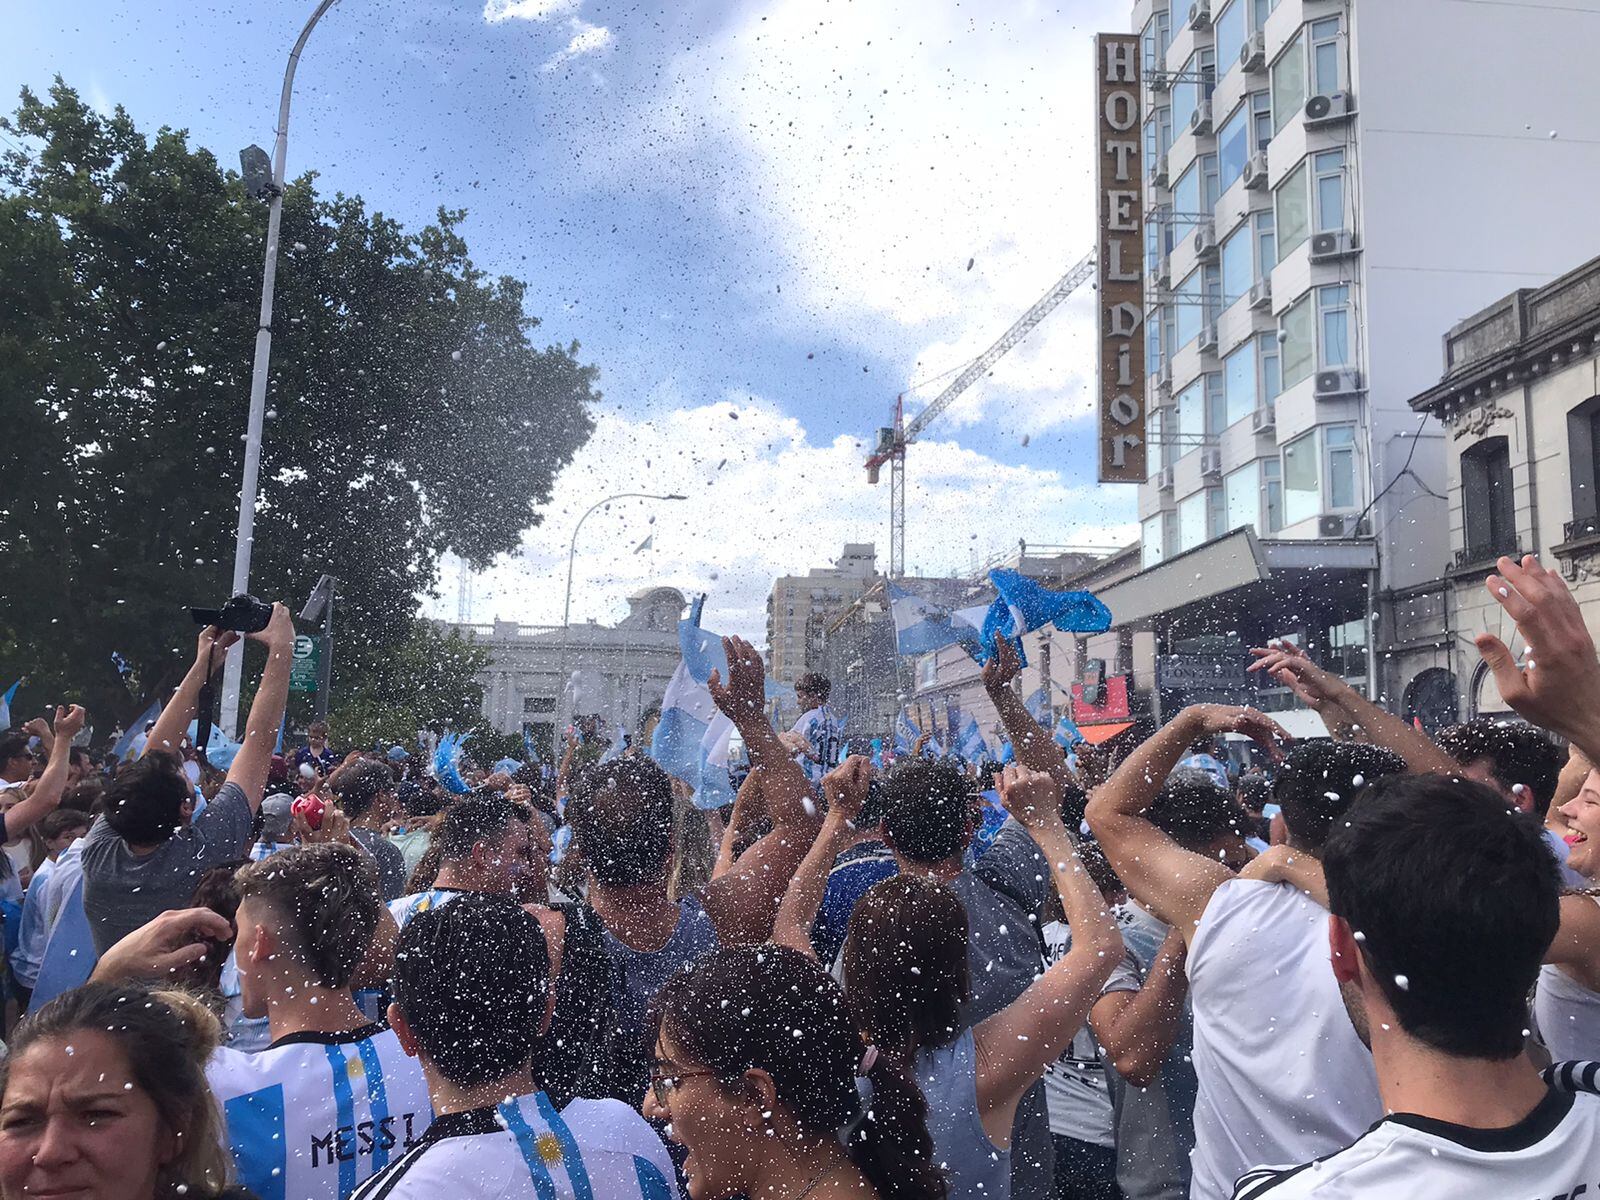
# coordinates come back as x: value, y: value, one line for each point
x: 922, y: 626
x: 5, y: 705
x: 1031, y: 606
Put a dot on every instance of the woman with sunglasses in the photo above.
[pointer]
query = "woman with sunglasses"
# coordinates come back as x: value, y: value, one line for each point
x: 756, y: 1067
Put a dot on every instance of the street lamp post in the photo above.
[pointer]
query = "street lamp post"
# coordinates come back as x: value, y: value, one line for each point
x: 572, y: 553
x: 258, y: 377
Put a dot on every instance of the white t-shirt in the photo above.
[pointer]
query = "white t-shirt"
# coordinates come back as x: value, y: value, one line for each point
x: 1554, y: 1152
x: 1076, y: 1096
x: 313, y: 1115
x: 1282, y: 1075
x: 524, y: 1149
x: 824, y: 734
x: 1567, y: 1014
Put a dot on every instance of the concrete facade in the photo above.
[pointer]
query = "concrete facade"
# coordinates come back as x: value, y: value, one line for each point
x: 800, y: 608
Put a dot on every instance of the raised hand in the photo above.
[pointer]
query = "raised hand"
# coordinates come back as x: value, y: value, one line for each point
x: 1558, y: 684
x: 279, y: 633
x: 1224, y: 718
x: 214, y: 642
x: 1292, y: 667
x: 69, y: 721
x: 846, y: 787
x: 1032, y: 797
x: 1003, y: 666
x: 176, y: 939
x: 743, y: 696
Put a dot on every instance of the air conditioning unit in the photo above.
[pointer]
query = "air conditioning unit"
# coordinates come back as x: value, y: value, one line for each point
x: 1343, y: 526
x: 1164, y: 373
x: 1160, y: 81
x: 1264, y: 419
x: 1253, y: 54
x: 1158, y: 173
x: 1325, y: 247
x: 1211, y: 464
x: 1334, y: 107
x: 1205, y: 242
x: 1164, y: 479
x: 1200, y: 14
x: 1337, y: 381
x: 1200, y: 118
x: 1261, y: 294
x: 1208, y: 338
x: 1164, y: 273
x: 1255, y: 171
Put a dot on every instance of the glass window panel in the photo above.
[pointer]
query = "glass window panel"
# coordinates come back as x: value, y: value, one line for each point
x: 1325, y: 56
x: 1333, y: 304
x: 1230, y: 34
x: 1191, y: 417
x: 1208, y: 182
x: 1186, y: 208
x: 1266, y: 244
x: 1330, y: 190
x: 1186, y: 94
x: 1288, y: 84
x: 1192, y: 521
x: 1189, y: 303
x: 1272, y: 493
x: 1297, y: 349
x: 1240, y: 382
x: 1233, y: 147
x: 1261, y: 118
x: 1150, y: 541
x: 1238, y: 265
x: 1216, y: 513
x: 1242, y: 496
x: 1216, y: 409
x: 1342, y: 477
x: 1260, y: 11
x: 1302, y: 491
x: 1293, y: 221
x: 1271, y: 375
x: 1169, y: 530
x: 1211, y: 290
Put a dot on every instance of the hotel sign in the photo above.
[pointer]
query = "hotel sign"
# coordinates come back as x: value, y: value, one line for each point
x: 1119, y: 178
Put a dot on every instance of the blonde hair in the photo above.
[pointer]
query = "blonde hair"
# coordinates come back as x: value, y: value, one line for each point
x: 167, y: 1036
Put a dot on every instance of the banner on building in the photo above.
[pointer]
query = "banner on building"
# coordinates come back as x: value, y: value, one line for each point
x: 1119, y: 179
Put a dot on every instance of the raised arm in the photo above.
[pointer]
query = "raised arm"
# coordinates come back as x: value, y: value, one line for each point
x: 745, y: 807
x: 1353, y: 715
x: 250, y: 765
x: 1137, y: 1030
x: 846, y: 789
x: 1173, y: 883
x: 1280, y: 864
x: 742, y: 902
x: 1558, y: 684
x: 173, y: 721
x: 1032, y: 744
x: 1017, y: 1045
x: 46, y: 795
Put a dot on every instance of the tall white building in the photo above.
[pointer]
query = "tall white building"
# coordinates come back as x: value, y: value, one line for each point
x: 1330, y: 185
x: 800, y: 608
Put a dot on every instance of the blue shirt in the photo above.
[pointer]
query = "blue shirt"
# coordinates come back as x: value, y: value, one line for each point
x: 853, y: 874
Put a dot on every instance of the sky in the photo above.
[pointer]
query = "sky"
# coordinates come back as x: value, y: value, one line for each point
x: 762, y: 221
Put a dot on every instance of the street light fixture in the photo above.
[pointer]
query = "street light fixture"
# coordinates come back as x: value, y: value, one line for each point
x: 270, y: 188
x: 572, y: 551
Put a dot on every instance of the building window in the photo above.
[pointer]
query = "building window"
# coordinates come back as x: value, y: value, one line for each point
x: 1216, y: 408
x: 1216, y: 513
x: 1157, y: 137
x: 1583, y: 459
x: 1293, y: 220
x: 1288, y: 83
x: 1271, y: 374
x: 1328, y: 182
x: 1154, y: 39
x: 1238, y: 265
x: 1297, y: 342
x: 1341, y: 446
x: 1260, y: 10
x: 1191, y: 417
x: 1233, y: 147
x: 1150, y: 548
x: 1192, y: 521
x: 1261, y: 118
x: 1333, y: 325
x: 1199, y: 78
x: 1189, y: 300
x: 1325, y: 57
x: 1302, y: 484
x: 1241, y: 382
x: 1229, y: 27
x: 1153, y: 354
x: 1272, y: 494
x: 1169, y: 530
x: 1186, y: 201
x: 1209, y: 193
x: 1266, y: 227
x: 1488, y: 501
x: 1211, y: 293
x: 1242, y: 497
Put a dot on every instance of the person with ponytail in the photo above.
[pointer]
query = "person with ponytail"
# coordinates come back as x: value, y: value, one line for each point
x: 906, y: 980
x: 765, y: 1082
x: 104, y: 1097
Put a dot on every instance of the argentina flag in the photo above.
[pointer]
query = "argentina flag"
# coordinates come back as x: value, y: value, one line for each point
x: 922, y: 626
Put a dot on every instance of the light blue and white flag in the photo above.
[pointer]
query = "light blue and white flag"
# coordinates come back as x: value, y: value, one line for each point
x: 1067, y: 733
x: 220, y: 749
x: 922, y: 626
x: 691, y: 729
x: 971, y: 745
x: 1038, y: 706
x: 131, y: 744
x: 529, y: 748
x: 1031, y: 606
x: 5, y: 705
x: 905, y: 734
x: 618, y: 744
x: 447, y: 763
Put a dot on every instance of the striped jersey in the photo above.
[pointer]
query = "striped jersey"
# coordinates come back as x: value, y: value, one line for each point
x: 523, y: 1149
x: 315, y: 1114
x: 407, y: 907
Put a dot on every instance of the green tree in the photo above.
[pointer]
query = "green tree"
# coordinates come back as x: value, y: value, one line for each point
x: 409, y: 412
x: 428, y: 681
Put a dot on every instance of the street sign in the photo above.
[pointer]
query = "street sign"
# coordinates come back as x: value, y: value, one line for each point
x: 303, y: 670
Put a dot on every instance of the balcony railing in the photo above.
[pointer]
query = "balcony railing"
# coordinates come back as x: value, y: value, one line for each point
x: 1580, y: 529
x: 1471, y: 556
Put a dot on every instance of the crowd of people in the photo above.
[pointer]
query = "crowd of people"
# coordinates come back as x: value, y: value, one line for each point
x: 1370, y: 969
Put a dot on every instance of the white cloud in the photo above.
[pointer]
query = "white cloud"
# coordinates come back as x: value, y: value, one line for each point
x: 495, y: 11
x: 586, y: 39
x: 764, y: 501
x: 886, y: 147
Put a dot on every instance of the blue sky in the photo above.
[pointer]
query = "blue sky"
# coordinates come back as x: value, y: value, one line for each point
x: 763, y: 209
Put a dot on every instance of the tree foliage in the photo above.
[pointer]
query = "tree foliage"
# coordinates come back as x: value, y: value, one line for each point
x: 409, y: 412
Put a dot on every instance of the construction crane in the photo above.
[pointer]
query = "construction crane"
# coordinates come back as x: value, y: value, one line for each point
x: 893, y: 439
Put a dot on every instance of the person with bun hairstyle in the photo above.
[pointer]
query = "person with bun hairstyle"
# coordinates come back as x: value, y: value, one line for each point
x: 756, y: 1068
x: 908, y: 984
x: 104, y: 1097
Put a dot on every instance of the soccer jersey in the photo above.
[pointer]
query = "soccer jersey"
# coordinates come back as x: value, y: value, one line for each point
x: 1553, y: 1152
x: 824, y: 735
x: 315, y: 1114
x: 524, y: 1148
x: 1282, y: 1075
x: 407, y: 907
x: 1075, y: 1091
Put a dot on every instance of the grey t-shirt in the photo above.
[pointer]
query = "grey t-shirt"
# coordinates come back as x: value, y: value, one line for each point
x: 1003, y: 894
x: 391, y: 863
x: 123, y: 890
